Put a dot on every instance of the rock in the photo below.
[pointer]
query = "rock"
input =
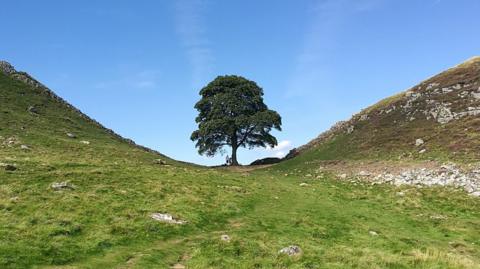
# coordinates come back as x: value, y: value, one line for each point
x: 419, y: 142
x: 438, y: 217
x: 225, y: 237
x: 350, y: 129
x: 71, y: 135
x: 303, y: 184
x: 475, y: 193
x: 422, y: 151
x: 24, y: 147
x: 400, y: 193
x: 447, y: 175
x: 8, y: 167
x: 291, y: 250
x: 159, y: 161
x: 167, y: 218
x: 364, y: 117
x: 342, y: 176
x: 178, y: 266
x: 363, y: 174
x: 85, y: 142
x: 6, y: 68
x: 308, y: 175
x: 65, y: 185
x: 373, y: 233
x: 11, y: 141
x: 32, y: 110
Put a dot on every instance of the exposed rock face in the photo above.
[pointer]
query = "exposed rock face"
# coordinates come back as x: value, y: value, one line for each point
x: 6, y: 68
x: 448, y: 175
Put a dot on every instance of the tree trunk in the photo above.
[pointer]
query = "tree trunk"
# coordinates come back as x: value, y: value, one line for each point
x: 234, y: 155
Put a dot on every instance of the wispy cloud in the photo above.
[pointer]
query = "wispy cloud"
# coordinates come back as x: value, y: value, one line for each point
x: 146, y: 79
x: 192, y: 29
x: 327, y: 17
x: 281, y: 149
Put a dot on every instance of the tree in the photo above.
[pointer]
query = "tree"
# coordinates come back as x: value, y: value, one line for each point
x: 232, y: 113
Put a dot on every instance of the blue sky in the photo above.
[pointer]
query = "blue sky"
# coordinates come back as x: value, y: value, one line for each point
x: 137, y: 66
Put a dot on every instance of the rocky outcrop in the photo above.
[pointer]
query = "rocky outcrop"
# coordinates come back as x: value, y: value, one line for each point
x: 448, y: 174
x: 6, y: 68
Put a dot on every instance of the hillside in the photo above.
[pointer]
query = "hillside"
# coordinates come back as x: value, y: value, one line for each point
x: 73, y: 194
x: 36, y: 120
x: 436, y: 119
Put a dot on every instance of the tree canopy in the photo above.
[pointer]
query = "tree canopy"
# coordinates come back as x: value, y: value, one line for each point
x: 232, y: 113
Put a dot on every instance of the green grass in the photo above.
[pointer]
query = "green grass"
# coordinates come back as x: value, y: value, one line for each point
x: 105, y: 222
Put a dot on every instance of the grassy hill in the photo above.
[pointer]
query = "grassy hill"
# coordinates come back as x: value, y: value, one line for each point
x: 443, y: 111
x: 104, y: 219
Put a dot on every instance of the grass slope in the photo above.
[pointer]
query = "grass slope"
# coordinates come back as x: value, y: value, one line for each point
x: 105, y: 222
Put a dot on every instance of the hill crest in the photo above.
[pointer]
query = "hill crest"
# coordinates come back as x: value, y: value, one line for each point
x: 442, y: 110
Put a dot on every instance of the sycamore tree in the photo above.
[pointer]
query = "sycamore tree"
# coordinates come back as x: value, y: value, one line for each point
x: 232, y: 113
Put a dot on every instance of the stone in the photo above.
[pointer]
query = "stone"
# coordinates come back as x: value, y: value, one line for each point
x: 24, y: 147
x: 32, y: 110
x: 8, y: 167
x: 178, y: 266
x: 65, y: 185
x: 85, y: 142
x: 364, y: 117
x: 71, y: 135
x: 159, y: 161
x: 419, y: 142
x: 225, y: 238
x: 475, y: 193
x: 166, y: 218
x: 342, y: 176
x: 363, y: 174
x: 303, y: 184
x: 291, y: 250
x: 373, y: 233
x: 422, y: 151
x: 350, y: 129
x: 11, y: 141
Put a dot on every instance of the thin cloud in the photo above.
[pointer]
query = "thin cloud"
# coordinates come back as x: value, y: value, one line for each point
x: 146, y: 79
x: 192, y: 30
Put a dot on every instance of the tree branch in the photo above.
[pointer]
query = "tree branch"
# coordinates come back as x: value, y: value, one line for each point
x: 246, y: 135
